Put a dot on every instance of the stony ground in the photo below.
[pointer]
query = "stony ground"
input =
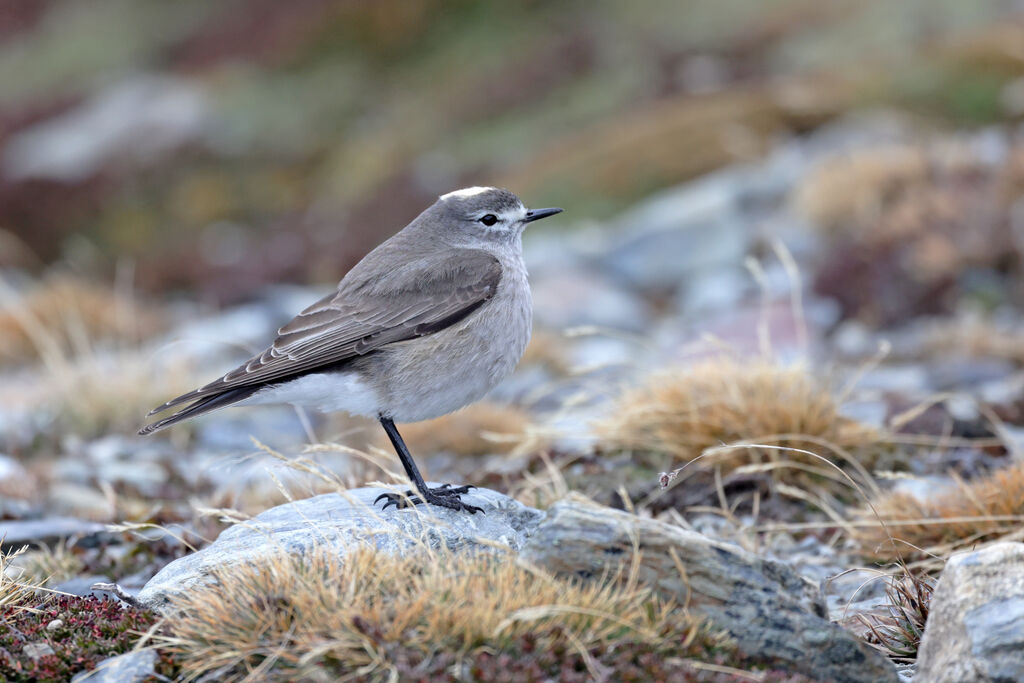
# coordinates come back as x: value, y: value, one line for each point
x: 832, y: 358
x: 776, y: 380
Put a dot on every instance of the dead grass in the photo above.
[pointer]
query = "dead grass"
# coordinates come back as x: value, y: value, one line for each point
x: 378, y: 616
x: 944, y: 203
x: 547, y: 349
x: 680, y: 414
x: 985, y: 510
x: 852, y: 189
x: 70, y: 310
x: 98, y: 393
x: 93, y: 376
x: 48, y: 565
x: 898, y: 632
x: 14, y: 591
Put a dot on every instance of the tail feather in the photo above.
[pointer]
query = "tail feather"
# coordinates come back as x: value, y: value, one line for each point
x: 203, y: 405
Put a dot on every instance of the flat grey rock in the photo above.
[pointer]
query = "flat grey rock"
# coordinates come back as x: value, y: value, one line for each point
x: 975, y: 629
x: 767, y: 607
x: 341, y: 522
x: 48, y: 530
x: 82, y: 585
x: 131, y: 667
x: 36, y: 651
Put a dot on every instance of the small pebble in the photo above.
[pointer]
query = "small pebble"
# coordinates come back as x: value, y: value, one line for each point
x: 35, y: 651
x: 54, y: 625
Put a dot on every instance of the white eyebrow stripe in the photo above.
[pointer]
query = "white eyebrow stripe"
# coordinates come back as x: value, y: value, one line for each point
x: 466, y: 192
x: 513, y: 214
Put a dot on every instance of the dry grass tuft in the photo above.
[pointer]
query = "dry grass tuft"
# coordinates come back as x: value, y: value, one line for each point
x: 984, y: 510
x: 70, y: 309
x: 14, y: 591
x: 909, y: 223
x: 93, y: 375
x: 679, y: 414
x: 852, y: 189
x: 898, y: 632
x: 97, y: 393
x: 547, y: 349
x: 378, y: 616
x: 480, y: 429
x: 48, y: 565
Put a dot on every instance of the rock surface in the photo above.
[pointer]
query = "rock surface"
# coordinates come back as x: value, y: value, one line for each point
x: 343, y: 521
x: 770, y: 610
x: 131, y: 667
x: 773, y: 613
x: 47, y: 531
x: 975, y: 630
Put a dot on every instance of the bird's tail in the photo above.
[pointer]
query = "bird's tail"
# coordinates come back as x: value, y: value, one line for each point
x: 203, y: 405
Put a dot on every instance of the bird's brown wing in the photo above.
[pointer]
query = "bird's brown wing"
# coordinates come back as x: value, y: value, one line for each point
x: 414, y: 299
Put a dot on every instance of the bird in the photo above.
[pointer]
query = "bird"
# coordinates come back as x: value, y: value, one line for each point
x: 426, y: 323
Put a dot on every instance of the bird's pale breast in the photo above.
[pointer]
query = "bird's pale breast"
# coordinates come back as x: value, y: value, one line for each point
x: 434, y: 375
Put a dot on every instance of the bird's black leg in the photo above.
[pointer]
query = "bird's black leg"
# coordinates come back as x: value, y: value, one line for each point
x: 444, y: 496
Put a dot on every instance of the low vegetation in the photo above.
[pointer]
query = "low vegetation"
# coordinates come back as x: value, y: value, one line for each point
x: 969, y: 513
x: 434, y: 617
x: 45, y: 636
x: 898, y: 631
x: 677, y: 416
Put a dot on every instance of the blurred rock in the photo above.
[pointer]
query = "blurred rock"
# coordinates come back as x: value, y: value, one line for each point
x: 342, y: 522
x: 141, y: 118
x: 36, y: 651
x: 975, y: 629
x: 233, y: 430
x: 851, y: 592
x: 15, y: 480
x: 145, y: 477
x: 870, y: 412
x: 681, y: 233
x: 47, y: 531
x: 925, y: 487
x: 769, y: 609
x: 236, y: 333
x: 83, y: 500
x: 82, y: 585
x: 906, y: 379
x: 714, y: 290
x: 854, y: 339
x: 131, y: 667
x: 574, y: 298
x: 959, y: 373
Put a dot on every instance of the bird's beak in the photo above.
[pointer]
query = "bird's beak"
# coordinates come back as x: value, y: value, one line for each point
x: 537, y: 214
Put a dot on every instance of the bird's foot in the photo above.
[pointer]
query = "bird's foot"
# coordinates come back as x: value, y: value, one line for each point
x: 446, y: 496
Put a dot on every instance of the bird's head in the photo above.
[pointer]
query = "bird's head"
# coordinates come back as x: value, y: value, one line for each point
x: 488, y: 214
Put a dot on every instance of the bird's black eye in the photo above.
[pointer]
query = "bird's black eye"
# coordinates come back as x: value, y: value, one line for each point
x: 489, y: 219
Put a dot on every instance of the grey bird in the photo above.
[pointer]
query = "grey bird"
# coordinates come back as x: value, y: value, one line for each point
x: 425, y: 324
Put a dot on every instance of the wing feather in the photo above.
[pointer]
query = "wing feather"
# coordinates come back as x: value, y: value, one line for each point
x: 420, y: 298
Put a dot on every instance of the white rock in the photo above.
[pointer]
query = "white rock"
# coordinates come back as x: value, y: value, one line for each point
x: 341, y: 522
x: 141, y: 117
x: 131, y: 667
x: 975, y: 629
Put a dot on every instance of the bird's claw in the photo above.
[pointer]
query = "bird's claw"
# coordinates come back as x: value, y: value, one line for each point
x: 446, y: 496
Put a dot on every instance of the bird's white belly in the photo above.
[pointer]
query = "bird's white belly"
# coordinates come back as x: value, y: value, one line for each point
x: 324, y: 391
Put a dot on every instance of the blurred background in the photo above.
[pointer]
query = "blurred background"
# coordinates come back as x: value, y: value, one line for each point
x: 813, y: 211
x: 220, y: 146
